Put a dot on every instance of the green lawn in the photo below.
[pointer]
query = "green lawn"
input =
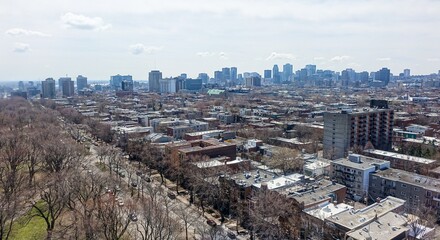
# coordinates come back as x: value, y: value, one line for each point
x: 27, y: 228
x: 101, y: 166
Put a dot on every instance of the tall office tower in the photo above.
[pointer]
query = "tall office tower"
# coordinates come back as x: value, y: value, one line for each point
x: 240, y: 78
x: 311, y: 69
x: 116, y: 81
x: 234, y: 74
x: 193, y: 84
x: 153, y: 80
x: 68, y: 88
x: 347, y: 129
x: 363, y: 77
x: 218, y: 75
x: 81, y: 82
x: 183, y: 76
x: 345, y: 78
x: 226, y: 73
x: 276, y: 74
x: 383, y: 75
x: 302, y: 76
x: 253, y: 81
x: 287, y: 72
x: 406, y: 73
x: 48, y: 88
x: 169, y: 85
x: 127, y: 85
x: 267, y: 74
x: 60, y: 82
x: 204, y: 77
x: 21, y: 86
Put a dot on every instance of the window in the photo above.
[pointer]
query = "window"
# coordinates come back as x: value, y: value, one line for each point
x: 403, y: 185
x: 402, y: 193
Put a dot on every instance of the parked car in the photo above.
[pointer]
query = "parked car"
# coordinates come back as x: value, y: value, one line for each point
x: 231, y: 235
x: 171, y: 195
x: 211, y: 223
x: 133, y: 217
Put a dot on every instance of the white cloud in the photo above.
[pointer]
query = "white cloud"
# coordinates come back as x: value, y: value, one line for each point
x: 280, y: 56
x: 433, y: 59
x: 318, y: 58
x: 14, y: 32
x: 221, y: 55
x: 79, y: 21
x: 340, y: 58
x: 206, y: 54
x: 140, y: 48
x: 383, y: 59
x: 21, y: 47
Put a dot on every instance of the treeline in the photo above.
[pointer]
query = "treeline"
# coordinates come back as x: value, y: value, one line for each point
x: 46, y: 174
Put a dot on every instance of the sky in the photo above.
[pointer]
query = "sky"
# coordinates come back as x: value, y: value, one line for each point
x: 100, y: 38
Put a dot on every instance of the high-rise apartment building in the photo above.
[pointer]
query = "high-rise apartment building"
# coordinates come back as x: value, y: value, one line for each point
x: 116, y: 81
x: 60, y: 82
x: 81, y: 82
x: 253, y: 81
x: 347, y: 129
x: 68, y: 88
x: 48, y: 88
x: 127, y: 85
x: 204, y: 77
x: 153, y: 80
x: 406, y: 73
x: 383, y: 75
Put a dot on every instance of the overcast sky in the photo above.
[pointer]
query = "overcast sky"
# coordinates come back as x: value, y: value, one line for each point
x: 99, y: 38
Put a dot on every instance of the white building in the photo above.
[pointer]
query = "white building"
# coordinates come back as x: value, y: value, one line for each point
x: 354, y: 172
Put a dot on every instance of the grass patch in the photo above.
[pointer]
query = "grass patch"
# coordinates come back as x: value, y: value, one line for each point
x: 29, y: 228
x: 101, y: 167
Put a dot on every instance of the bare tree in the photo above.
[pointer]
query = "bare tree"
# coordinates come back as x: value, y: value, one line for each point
x: 155, y: 221
x: 285, y: 159
x: 62, y: 153
x: 87, y: 191
x: 12, y: 178
x: 55, y: 196
x: 187, y: 216
x: 113, y: 220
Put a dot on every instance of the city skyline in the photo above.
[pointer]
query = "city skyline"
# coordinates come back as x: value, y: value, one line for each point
x: 100, y: 39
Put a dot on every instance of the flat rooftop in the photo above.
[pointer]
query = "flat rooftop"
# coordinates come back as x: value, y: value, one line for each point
x: 204, y: 132
x: 411, y: 178
x: 388, y: 226
x: 327, y: 209
x: 312, y: 192
x: 399, y: 156
x: 365, y: 163
x: 353, y: 219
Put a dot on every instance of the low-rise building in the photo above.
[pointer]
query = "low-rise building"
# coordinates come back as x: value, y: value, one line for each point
x: 354, y: 172
x: 350, y: 220
x: 418, y: 190
x: 404, y: 162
